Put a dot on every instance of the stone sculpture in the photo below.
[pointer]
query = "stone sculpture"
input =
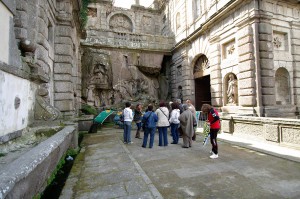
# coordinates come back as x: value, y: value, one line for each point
x: 232, y: 90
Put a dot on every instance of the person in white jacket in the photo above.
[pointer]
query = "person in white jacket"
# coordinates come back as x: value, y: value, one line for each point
x: 163, y: 123
x: 174, y: 122
x: 127, y: 114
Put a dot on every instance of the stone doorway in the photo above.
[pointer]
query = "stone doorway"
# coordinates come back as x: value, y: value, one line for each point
x: 202, y: 91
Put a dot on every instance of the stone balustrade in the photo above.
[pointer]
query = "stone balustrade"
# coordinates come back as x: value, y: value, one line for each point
x: 128, y: 40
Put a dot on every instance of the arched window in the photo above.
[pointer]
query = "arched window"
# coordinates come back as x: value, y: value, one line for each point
x: 178, y: 20
x: 282, y: 87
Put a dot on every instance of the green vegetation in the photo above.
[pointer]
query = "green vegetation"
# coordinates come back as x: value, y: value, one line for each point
x: 2, y: 154
x: 87, y: 109
x: 83, y: 14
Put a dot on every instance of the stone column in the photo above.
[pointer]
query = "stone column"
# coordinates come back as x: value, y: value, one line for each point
x: 214, y: 57
x: 295, y: 43
x: 246, y: 66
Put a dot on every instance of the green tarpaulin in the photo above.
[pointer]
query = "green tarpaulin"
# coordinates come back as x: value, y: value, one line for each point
x: 103, y: 115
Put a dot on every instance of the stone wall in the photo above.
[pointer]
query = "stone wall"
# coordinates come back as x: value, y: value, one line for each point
x: 40, y: 74
x: 123, y: 55
x: 282, y: 131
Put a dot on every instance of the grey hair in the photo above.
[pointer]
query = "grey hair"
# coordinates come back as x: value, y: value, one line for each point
x: 185, y: 106
x: 178, y: 101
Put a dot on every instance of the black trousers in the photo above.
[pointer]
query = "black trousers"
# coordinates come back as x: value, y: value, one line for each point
x: 213, y: 140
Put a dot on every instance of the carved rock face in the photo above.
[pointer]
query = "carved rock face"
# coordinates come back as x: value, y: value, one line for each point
x: 114, y: 77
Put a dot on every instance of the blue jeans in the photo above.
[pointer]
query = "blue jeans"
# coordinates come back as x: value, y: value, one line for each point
x: 163, y: 136
x: 139, y: 125
x: 174, y: 132
x: 148, y: 131
x: 127, y: 131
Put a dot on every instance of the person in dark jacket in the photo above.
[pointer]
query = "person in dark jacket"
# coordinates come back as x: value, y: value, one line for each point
x: 214, y: 121
x: 137, y: 118
x: 149, y: 119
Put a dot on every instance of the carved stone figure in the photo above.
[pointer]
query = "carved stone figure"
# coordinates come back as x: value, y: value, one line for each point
x: 232, y: 90
x: 43, y: 109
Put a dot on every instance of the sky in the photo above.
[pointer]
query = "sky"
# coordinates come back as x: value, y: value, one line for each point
x: 128, y: 3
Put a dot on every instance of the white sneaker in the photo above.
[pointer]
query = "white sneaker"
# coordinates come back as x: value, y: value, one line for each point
x: 130, y: 143
x: 214, y: 156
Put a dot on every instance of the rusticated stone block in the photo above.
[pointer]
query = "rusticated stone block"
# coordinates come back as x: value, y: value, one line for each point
x: 246, y: 57
x: 63, y: 59
x: 63, y: 96
x: 265, y: 46
x: 246, y: 66
x: 64, y: 105
x: 268, y: 91
x: 268, y: 55
x: 62, y: 68
x: 266, y: 64
x: 246, y: 48
x: 255, y: 130
x: 267, y: 73
x: 247, y: 101
x: 267, y: 81
x: 265, y: 37
x: 227, y: 126
x: 43, y: 29
x: 247, y: 92
x: 265, y: 28
x: 63, y: 49
x: 246, y: 83
x: 246, y: 31
x: 62, y: 77
x: 245, y: 40
x: 61, y: 87
x: 268, y: 100
x: 245, y: 75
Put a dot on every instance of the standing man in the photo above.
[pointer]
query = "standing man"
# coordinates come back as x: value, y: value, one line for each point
x: 214, y: 121
x: 186, y: 123
x: 127, y: 114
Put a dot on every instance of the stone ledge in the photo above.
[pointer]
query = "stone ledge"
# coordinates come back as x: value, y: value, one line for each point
x: 27, y: 175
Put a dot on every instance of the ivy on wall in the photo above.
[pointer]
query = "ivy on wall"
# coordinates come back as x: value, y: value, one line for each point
x: 83, y: 15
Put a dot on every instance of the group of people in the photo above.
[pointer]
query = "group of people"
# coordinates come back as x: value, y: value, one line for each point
x: 181, y: 118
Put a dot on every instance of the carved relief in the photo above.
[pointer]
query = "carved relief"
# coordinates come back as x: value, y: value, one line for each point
x: 229, y: 50
x: 280, y: 41
x: 201, y: 64
x: 147, y: 24
x: 121, y: 23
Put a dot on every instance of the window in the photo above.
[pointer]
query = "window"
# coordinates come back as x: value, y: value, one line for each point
x: 177, y: 20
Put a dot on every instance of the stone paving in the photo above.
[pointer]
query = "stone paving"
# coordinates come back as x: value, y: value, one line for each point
x: 107, y: 168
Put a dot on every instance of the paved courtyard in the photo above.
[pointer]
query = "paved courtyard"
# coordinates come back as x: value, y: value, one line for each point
x: 107, y: 168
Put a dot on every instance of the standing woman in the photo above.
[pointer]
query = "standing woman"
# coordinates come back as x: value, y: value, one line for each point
x: 137, y: 118
x: 149, y: 119
x: 175, y: 113
x: 163, y: 123
x: 127, y: 114
x: 214, y: 121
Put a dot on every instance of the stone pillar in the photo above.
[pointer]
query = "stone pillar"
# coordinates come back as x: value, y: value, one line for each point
x: 187, y: 77
x: 66, y: 80
x: 214, y: 57
x: 295, y: 43
x: 267, y: 73
x: 246, y: 66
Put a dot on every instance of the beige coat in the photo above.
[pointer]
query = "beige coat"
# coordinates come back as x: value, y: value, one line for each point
x: 186, y: 123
